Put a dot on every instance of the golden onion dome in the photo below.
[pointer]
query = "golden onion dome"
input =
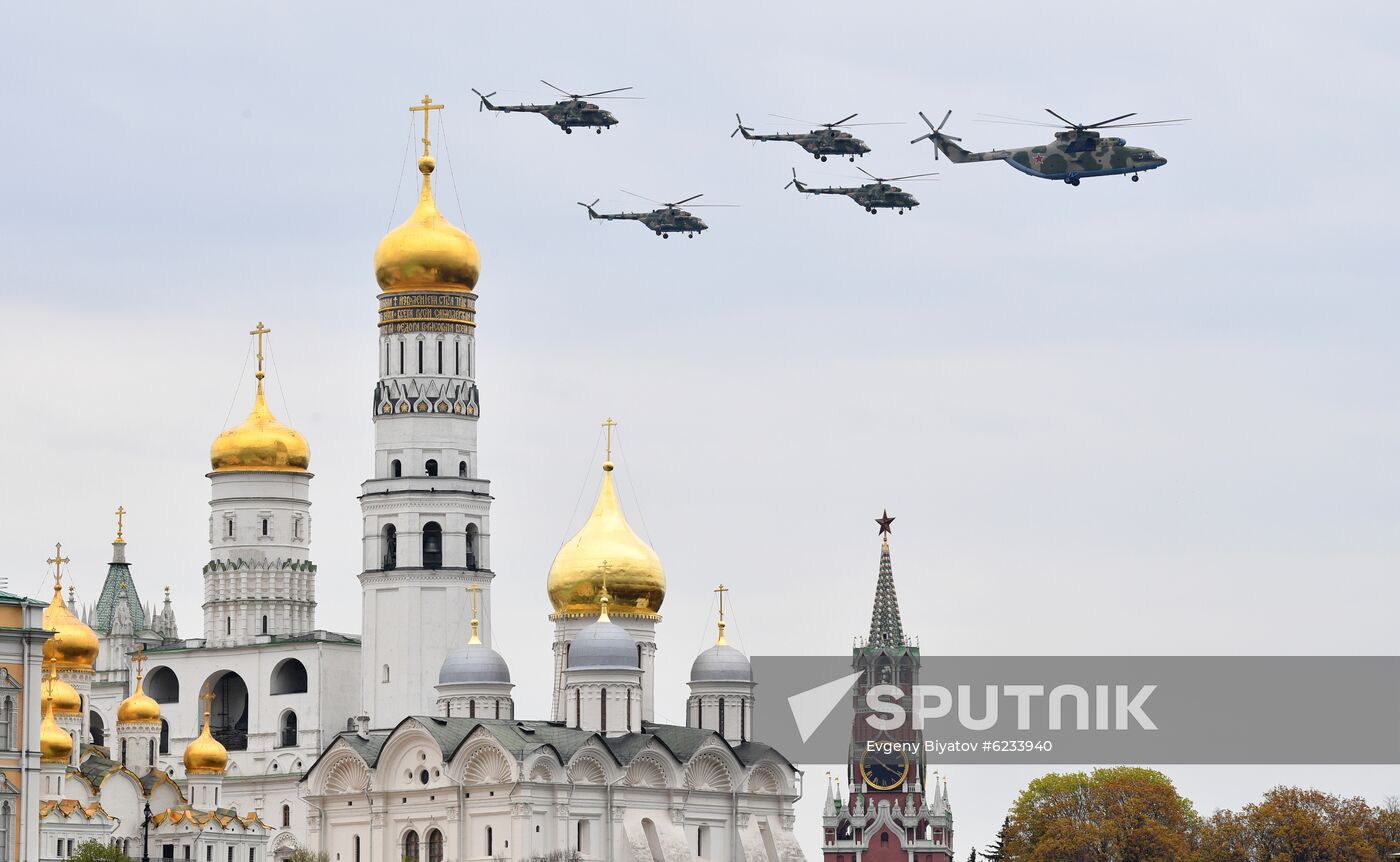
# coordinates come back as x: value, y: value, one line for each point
x: 607, y: 548
x: 140, y: 707
x: 73, y: 644
x: 427, y: 251
x: 261, y: 443
x: 205, y: 755
x: 55, y: 745
x: 66, y: 700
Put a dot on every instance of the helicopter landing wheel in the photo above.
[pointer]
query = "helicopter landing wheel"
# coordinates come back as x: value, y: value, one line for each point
x: 1135, y: 177
x: 568, y: 131
x: 598, y: 131
x: 823, y: 158
x: 690, y: 236
x: 665, y: 236
x: 853, y: 158
x: 1074, y: 181
x: 901, y: 212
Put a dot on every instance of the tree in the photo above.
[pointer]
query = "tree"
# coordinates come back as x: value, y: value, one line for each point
x: 1123, y: 814
x: 997, y: 851
x: 301, y: 854
x: 95, y: 851
x: 973, y: 856
x: 1291, y: 824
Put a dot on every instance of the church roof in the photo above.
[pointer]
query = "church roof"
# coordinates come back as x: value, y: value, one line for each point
x: 118, y: 573
x: 522, y: 737
x: 319, y: 636
x: 96, y: 769
x: 70, y: 808
x: 224, y: 818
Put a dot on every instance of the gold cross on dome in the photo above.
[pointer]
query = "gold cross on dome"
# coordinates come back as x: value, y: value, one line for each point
x: 57, y: 561
x: 610, y: 425
x: 260, y: 332
x: 426, y: 106
x: 120, y: 513
x: 721, y: 590
x: 139, y: 658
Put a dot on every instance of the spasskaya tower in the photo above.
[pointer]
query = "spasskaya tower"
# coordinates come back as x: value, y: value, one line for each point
x: 893, y: 811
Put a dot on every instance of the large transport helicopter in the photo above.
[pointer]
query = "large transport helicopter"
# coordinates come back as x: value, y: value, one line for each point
x: 1078, y: 151
x: 568, y: 114
x: 828, y: 140
x: 872, y: 197
x: 669, y: 219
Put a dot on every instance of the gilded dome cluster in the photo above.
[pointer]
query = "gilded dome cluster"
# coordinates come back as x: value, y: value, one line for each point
x: 427, y: 251
x: 606, y: 549
x: 140, y: 708
x: 205, y: 755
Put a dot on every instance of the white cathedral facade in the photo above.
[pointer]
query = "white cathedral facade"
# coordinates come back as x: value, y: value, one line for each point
x: 404, y: 742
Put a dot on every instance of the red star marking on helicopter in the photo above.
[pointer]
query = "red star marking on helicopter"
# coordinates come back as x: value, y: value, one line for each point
x: 1039, y: 159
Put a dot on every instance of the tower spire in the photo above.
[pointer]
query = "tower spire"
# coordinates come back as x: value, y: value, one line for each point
x: 886, y: 629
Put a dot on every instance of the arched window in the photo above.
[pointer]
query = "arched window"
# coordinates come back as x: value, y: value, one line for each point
x: 228, y: 721
x: 430, y: 467
x: 471, y: 709
x: 6, y: 829
x: 653, y: 840
x: 743, y: 720
x: 628, y: 726
x: 603, y: 709
x: 401, y: 349
x: 410, y: 847
x: 164, y: 737
x: 386, y: 673
x: 288, y: 730
x: 162, y: 685
x: 435, y: 840
x: 578, y: 707
x: 228, y: 625
x: 123, y: 757
x: 420, y: 356
x: 471, y: 546
x: 7, y: 709
x: 390, y: 543
x: 702, y: 842
x: 396, y: 468
x: 432, y: 545
x: 264, y: 624
x: 462, y: 469
x: 439, y: 345
x: 286, y: 816
x: 264, y: 526
x: 490, y: 841
x: 151, y: 753
x: 98, y: 731
x: 289, y: 677
x: 356, y: 847
x: 721, y: 716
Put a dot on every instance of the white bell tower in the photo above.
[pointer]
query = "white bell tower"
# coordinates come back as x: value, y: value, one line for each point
x: 426, y: 510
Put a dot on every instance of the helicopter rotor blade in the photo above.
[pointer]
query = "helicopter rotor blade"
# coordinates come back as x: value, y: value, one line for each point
x: 1106, y: 122
x: 602, y: 92
x: 687, y: 200
x: 868, y: 173
x: 1149, y: 123
x: 643, y: 197
x: 842, y: 122
x: 795, y: 119
x: 943, y: 123
x: 853, y: 125
x: 560, y: 89
x: 910, y: 177
x: 725, y: 206
x: 1017, y: 121
x: 1062, y: 119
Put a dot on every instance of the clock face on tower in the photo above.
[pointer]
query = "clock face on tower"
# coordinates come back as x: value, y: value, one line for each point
x: 884, y: 771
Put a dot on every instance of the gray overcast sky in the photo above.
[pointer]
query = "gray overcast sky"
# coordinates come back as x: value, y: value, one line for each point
x: 1124, y: 418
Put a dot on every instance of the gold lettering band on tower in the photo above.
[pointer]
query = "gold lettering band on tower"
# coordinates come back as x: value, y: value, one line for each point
x: 427, y: 312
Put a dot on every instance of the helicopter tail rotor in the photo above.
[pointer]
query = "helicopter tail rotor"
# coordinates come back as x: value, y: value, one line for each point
x: 742, y: 130
x: 935, y: 133
x: 591, y: 214
x: 484, y: 103
x: 801, y: 187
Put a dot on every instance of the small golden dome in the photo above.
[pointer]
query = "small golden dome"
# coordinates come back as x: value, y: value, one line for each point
x: 427, y: 251
x: 636, y: 583
x: 66, y: 700
x: 205, y: 755
x: 140, y: 707
x: 261, y: 443
x: 55, y: 745
x: 73, y: 644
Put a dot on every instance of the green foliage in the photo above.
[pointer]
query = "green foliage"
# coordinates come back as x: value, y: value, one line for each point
x: 557, y: 856
x: 301, y: 854
x: 997, y: 852
x: 1123, y: 814
x: 95, y: 851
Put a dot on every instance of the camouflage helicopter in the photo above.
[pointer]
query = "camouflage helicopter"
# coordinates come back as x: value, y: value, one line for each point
x: 822, y: 142
x: 872, y: 196
x: 1077, y: 152
x: 568, y: 114
x: 664, y: 222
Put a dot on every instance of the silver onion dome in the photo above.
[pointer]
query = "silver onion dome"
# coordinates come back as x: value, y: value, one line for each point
x: 473, y: 663
x: 603, y: 644
x: 721, y: 663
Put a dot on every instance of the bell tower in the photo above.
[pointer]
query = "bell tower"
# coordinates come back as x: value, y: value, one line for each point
x: 891, y: 812
x: 426, y: 510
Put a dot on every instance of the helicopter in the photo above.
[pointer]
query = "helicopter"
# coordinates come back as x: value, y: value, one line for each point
x: 1077, y: 152
x: 664, y: 222
x: 873, y: 197
x: 568, y: 114
x: 822, y: 142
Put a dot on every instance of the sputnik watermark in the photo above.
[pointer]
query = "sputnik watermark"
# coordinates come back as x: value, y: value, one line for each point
x: 930, y: 702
